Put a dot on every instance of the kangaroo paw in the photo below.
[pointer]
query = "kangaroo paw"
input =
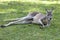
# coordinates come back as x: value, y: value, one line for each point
x: 42, y: 27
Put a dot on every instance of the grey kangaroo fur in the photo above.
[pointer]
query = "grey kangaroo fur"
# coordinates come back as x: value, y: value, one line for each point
x: 34, y: 17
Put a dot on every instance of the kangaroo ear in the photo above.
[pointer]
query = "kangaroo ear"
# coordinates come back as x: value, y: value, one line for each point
x: 52, y: 8
x: 46, y: 10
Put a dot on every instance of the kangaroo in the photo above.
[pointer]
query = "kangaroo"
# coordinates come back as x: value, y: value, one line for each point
x: 33, y: 17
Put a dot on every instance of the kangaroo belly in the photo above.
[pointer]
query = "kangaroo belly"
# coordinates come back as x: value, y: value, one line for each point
x: 35, y: 21
x: 37, y: 17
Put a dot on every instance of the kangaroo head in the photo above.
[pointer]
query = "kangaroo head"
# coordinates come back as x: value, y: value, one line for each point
x: 49, y: 13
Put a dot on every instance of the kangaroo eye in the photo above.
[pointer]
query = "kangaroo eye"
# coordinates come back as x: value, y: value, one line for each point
x: 49, y: 19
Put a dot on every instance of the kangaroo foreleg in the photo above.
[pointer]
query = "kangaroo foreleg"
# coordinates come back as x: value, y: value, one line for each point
x: 41, y: 24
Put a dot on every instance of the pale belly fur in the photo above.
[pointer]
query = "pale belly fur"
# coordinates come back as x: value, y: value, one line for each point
x: 37, y: 18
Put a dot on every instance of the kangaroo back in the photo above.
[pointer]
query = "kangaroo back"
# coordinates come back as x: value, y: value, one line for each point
x: 32, y: 14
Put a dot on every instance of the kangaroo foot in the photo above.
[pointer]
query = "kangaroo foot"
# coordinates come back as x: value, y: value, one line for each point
x: 2, y: 26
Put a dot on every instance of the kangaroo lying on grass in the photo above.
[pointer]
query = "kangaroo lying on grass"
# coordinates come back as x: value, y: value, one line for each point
x: 33, y: 17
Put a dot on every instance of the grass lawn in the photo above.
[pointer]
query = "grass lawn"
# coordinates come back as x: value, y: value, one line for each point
x: 11, y: 10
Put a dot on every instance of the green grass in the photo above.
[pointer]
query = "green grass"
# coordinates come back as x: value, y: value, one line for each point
x: 11, y: 10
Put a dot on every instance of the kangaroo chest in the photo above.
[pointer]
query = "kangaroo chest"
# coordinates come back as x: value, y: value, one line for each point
x: 44, y: 21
